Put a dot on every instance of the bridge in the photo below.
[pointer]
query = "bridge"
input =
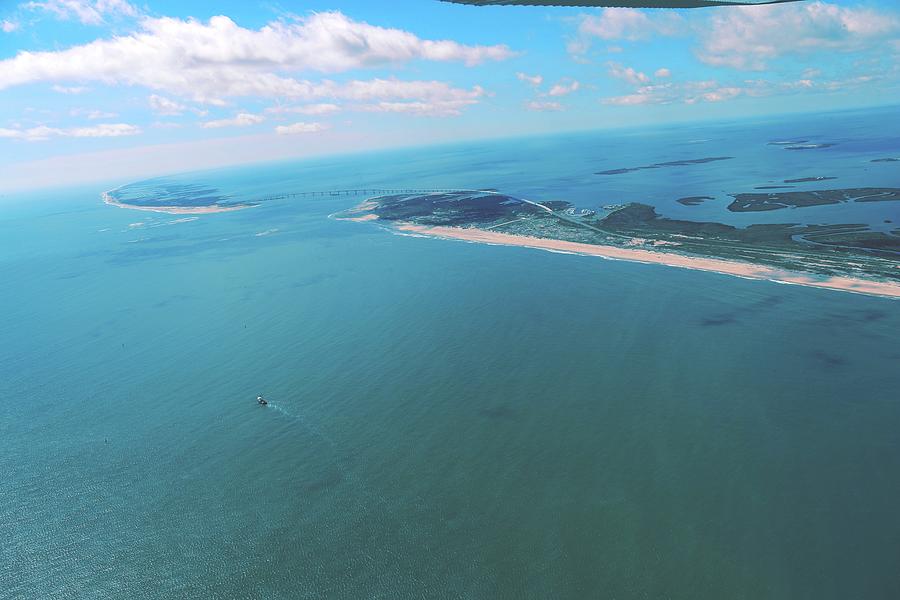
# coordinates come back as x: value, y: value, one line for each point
x: 361, y: 192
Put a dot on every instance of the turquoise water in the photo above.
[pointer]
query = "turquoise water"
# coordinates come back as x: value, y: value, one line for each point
x: 446, y: 420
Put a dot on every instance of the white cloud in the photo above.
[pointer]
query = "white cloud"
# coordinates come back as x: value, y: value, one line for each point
x: 300, y: 127
x: 534, y: 80
x: 85, y: 11
x: 720, y: 94
x: 393, y: 89
x: 627, y: 74
x: 433, y: 108
x: 75, y: 89
x: 239, y: 120
x: 663, y: 72
x: 623, y: 24
x: 8, y: 26
x: 629, y: 99
x: 689, y: 92
x: 219, y: 59
x: 164, y: 106
x: 539, y: 106
x: 748, y: 37
x: 42, y: 132
x: 100, y: 114
x: 420, y: 98
x: 564, y: 89
x: 306, y: 109
x: 710, y: 90
x: 93, y: 115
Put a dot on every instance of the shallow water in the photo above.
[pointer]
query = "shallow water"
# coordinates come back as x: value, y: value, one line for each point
x: 446, y: 420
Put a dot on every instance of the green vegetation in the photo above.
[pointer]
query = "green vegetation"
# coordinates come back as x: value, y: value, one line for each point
x: 845, y: 249
x: 779, y: 200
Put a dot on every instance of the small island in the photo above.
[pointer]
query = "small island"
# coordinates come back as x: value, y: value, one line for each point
x: 808, y: 146
x: 694, y: 200
x: 163, y: 196
x: 672, y: 163
x: 808, y: 179
x: 847, y: 257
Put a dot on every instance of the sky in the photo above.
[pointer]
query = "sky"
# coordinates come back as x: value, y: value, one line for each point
x: 97, y: 90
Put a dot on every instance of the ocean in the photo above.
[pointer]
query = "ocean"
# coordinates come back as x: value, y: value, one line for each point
x: 445, y: 419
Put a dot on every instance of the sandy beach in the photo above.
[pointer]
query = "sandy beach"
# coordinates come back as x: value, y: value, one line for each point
x: 716, y: 265
x: 176, y: 210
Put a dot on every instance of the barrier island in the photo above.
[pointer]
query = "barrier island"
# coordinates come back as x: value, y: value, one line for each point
x: 849, y: 257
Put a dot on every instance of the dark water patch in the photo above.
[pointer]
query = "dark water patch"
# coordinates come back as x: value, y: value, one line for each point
x: 768, y: 302
x: 863, y: 316
x: 312, y: 280
x: 329, y: 481
x: 772, y: 187
x: 499, y: 412
x: 880, y: 160
x: 723, y: 319
x: 174, y: 299
x: 673, y: 163
x: 730, y: 317
x: 871, y: 315
x: 827, y: 359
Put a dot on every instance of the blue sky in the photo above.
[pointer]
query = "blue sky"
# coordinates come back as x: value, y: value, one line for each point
x: 103, y: 89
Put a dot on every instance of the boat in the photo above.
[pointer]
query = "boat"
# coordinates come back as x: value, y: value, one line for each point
x: 261, y: 401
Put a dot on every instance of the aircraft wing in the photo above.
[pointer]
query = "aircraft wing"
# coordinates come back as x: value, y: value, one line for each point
x: 620, y: 3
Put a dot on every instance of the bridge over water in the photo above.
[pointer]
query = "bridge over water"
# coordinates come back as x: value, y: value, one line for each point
x: 362, y: 192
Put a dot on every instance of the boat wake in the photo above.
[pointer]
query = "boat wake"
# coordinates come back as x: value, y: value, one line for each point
x: 361, y: 488
x: 304, y: 422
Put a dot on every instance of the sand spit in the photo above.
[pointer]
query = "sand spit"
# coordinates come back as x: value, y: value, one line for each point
x: 716, y: 265
x: 358, y: 213
x: 176, y: 210
x: 368, y: 217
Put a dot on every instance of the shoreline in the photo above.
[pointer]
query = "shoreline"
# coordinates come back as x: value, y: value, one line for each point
x: 869, y: 287
x: 175, y: 210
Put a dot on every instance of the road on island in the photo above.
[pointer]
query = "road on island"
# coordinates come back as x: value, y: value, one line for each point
x: 568, y: 219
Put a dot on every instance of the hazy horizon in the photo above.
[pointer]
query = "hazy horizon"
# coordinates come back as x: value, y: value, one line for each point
x: 93, y: 180
x: 97, y: 91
